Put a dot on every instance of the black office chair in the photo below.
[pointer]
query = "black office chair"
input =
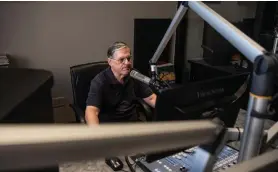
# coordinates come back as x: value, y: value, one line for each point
x: 81, y: 76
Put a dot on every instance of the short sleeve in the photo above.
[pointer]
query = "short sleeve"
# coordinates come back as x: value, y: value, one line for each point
x: 142, y: 90
x: 95, y: 94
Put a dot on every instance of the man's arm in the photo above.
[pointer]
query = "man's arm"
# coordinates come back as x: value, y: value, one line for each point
x: 91, y: 115
x: 151, y: 100
x: 93, y: 102
x: 144, y: 91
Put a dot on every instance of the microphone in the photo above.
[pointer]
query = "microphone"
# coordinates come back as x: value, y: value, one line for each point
x: 155, y: 84
x: 136, y: 75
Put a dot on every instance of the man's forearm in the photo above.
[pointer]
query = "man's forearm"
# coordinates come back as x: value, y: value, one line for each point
x: 92, y: 120
x: 151, y: 100
x: 91, y: 117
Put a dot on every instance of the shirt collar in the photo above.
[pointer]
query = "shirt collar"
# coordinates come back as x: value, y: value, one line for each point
x: 113, y: 79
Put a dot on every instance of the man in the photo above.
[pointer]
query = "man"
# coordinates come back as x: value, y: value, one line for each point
x: 113, y: 92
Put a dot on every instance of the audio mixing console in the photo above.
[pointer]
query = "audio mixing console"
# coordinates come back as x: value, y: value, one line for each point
x: 183, y: 161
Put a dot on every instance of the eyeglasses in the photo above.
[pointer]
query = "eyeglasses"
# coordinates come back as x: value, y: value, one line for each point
x: 123, y: 60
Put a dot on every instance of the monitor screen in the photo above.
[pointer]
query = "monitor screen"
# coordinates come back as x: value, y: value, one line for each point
x: 196, y: 100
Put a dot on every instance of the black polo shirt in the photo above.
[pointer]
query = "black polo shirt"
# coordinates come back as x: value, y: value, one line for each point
x: 115, y: 100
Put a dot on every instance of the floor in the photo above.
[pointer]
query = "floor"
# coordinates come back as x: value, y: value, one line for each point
x: 100, y: 166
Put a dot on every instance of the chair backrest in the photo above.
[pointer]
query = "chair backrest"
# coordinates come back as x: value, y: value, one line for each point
x: 81, y: 76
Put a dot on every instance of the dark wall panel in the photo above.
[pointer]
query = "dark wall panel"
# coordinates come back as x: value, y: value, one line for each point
x: 148, y: 33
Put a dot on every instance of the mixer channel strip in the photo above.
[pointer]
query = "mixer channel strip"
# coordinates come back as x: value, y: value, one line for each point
x: 226, y: 159
x: 183, y: 161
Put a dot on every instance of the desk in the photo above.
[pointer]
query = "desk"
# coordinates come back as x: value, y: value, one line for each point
x: 201, y: 70
x: 26, y: 98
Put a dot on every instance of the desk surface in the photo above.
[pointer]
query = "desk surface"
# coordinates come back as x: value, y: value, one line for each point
x: 93, y: 166
x: 16, y: 85
x: 227, y: 68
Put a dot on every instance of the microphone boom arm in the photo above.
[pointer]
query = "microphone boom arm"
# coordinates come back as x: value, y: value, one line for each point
x: 169, y: 33
x: 242, y: 42
x: 265, y: 65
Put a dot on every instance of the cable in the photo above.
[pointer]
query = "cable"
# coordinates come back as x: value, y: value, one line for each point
x: 129, y: 164
x: 124, y: 170
x: 135, y: 165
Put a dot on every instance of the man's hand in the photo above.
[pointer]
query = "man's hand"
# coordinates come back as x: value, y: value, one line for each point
x: 151, y: 100
x: 91, y: 115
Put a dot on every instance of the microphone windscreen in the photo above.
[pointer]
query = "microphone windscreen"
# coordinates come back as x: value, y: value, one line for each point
x: 140, y: 77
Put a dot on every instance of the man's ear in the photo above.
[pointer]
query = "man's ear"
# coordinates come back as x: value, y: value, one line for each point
x: 109, y: 61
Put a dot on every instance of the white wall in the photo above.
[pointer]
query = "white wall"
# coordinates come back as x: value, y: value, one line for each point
x: 231, y: 11
x: 57, y: 35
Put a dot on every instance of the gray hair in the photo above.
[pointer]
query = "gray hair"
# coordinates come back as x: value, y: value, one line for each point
x: 114, y: 47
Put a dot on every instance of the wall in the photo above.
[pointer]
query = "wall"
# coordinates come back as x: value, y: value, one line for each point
x: 231, y: 11
x: 57, y: 35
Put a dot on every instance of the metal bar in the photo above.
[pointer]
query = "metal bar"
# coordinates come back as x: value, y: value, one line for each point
x: 202, y: 161
x: 169, y: 33
x: 242, y: 42
x: 271, y: 137
x: 25, y: 147
x: 265, y: 162
x: 274, y: 49
x: 272, y: 133
x: 254, y: 129
x: 205, y: 157
x: 246, y: 127
x: 234, y: 134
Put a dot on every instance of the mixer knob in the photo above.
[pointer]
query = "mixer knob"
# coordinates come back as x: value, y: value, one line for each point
x: 178, y: 157
x: 156, y: 170
x: 183, y: 169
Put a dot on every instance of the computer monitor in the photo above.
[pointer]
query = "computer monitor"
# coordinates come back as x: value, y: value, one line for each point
x: 199, y: 100
x: 195, y: 101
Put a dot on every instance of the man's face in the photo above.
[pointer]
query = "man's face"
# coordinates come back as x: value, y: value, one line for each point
x: 121, y: 61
